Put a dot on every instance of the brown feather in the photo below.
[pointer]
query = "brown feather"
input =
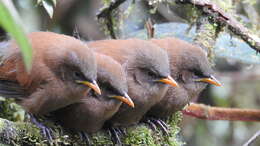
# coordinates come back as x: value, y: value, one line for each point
x: 137, y: 55
x: 184, y: 58
x: 43, y: 88
x: 90, y: 114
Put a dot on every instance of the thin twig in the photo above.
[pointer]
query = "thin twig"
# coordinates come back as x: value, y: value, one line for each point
x: 75, y: 33
x: 252, y: 139
x: 149, y: 28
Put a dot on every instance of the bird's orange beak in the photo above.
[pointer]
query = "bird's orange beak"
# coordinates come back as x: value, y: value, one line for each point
x: 210, y: 80
x: 92, y: 85
x: 169, y: 80
x: 126, y: 99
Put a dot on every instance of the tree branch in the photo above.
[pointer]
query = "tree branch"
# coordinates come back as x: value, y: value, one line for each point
x: 202, y: 111
x: 106, y: 14
x: 220, y: 16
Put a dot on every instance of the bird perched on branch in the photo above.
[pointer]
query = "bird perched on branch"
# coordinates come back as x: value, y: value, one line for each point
x: 148, y: 74
x: 92, y: 111
x: 190, y: 68
x: 63, y: 70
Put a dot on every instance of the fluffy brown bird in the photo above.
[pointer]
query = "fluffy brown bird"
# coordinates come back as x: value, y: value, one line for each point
x: 148, y: 72
x: 190, y: 68
x: 63, y: 69
x: 92, y: 111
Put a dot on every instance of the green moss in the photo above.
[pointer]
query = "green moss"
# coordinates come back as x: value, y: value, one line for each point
x: 143, y: 135
x: 174, y: 121
x: 139, y: 135
x: 106, y: 2
x: 2, y: 124
x: 101, y: 138
x: 193, y: 14
x: 22, y: 133
x: 207, y: 35
x: 10, y: 110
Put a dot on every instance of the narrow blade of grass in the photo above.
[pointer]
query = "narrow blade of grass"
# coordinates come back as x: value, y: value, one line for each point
x: 9, y: 20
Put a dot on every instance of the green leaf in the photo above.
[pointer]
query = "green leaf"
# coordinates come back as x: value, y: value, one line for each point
x: 48, y: 6
x: 39, y: 2
x: 54, y: 2
x: 9, y: 20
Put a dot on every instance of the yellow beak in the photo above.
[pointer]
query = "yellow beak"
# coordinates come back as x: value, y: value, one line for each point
x: 169, y: 80
x: 210, y: 80
x: 92, y: 85
x: 126, y: 99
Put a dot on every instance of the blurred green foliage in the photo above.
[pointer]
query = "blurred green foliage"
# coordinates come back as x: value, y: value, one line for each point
x: 48, y: 5
x: 9, y: 20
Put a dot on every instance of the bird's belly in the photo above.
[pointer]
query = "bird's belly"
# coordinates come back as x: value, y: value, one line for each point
x: 129, y: 116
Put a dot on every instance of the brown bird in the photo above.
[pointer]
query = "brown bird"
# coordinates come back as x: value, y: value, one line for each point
x: 92, y: 111
x: 148, y: 72
x: 62, y: 70
x: 190, y: 68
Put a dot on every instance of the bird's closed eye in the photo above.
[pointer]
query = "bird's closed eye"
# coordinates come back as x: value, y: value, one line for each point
x: 78, y: 75
x: 197, y: 73
x: 109, y: 88
x: 149, y: 73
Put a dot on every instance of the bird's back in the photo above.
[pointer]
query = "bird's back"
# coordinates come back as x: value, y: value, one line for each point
x: 120, y: 50
x: 138, y: 54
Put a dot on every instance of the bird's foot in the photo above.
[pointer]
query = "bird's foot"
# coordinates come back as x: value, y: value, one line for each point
x: 85, y: 137
x: 115, y: 134
x: 160, y: 123
x: 150, y: 124
x: 47, y: 132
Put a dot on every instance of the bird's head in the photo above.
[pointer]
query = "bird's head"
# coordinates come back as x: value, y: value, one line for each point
x: 69, y: 59
x: 111, y: 78
x: 150, y: 66
x: 189, y: 65
x: 195, y: 72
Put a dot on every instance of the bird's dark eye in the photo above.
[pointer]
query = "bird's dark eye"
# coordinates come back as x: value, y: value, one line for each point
x: 179, y: 78
x: 197, y: 73
x: 150, y: 73
x: 78, y: 75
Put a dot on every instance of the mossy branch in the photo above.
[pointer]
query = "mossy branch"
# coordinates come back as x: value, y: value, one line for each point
x: 106, y: 13
x: 24, y: 133
x: 221, y: 17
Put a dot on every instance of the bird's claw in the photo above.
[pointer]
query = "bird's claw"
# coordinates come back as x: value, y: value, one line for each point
x: 47, y: 132
x: 158, y: 122
x: 84, y: 137
x: 151, y: 124
x: 115, y: 132
x: 163, y: 126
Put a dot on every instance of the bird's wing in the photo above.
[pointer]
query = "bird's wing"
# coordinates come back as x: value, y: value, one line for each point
x: 11, y: 89
x: 10, y: 63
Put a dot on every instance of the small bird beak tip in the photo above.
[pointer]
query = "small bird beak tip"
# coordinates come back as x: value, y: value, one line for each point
x: 128, y: 100
x: 92, y: 85
x: 96, y: 88
x: 211, y: 80
x: 125, y: 99
x: 170, y: 81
